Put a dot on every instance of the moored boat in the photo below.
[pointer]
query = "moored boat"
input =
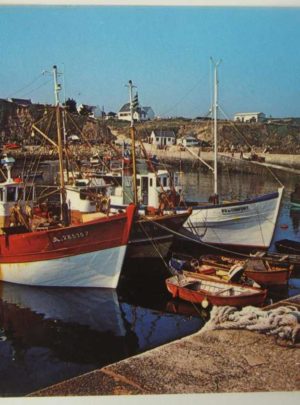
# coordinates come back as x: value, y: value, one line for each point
x: 288, y: 246
x: 203, y: 291
x: 238, y: 225
x: 57, y: 252
x: 262, y: 271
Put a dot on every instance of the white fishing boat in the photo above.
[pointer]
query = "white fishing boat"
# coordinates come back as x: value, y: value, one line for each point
x: 247, y: 224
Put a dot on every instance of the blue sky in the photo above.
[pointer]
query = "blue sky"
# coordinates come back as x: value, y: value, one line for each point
x: 165, y: 51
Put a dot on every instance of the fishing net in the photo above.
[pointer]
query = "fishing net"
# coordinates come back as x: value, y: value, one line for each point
x: 283, y: 322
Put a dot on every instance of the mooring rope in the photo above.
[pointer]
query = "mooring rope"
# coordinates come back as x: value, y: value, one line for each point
x: 283, y: 322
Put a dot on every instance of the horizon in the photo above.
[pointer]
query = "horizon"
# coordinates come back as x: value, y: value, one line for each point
x: 164, y: 50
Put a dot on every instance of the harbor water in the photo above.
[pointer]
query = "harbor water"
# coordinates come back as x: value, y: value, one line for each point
x: 48, y: 335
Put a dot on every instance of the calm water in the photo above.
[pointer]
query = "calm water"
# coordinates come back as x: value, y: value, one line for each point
x: 51, y: 334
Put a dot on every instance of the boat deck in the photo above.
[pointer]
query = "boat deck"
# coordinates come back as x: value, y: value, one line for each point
x: 216, y: 361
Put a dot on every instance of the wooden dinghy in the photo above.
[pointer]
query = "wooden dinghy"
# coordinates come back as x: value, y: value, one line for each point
x: 283, y: 259
x: 199, y: 290
x: 261, y: 270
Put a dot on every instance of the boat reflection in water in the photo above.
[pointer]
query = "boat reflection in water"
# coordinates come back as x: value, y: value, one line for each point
x: 48, y: 335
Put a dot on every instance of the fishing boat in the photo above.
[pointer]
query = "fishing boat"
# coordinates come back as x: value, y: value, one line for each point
x: 126, y: 182
x: 288, y: 246
x: 264, y: 272
x: 208, y: 292
x: 238, y: 225
x: 58, y: 253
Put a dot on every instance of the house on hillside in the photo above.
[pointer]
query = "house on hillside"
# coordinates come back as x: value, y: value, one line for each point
x: 249, y: 117
x: 162, y: 138
x: 139, y: 114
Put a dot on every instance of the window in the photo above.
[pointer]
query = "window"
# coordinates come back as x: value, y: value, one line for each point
x: 151, y: 182
x: 169, y: 139
x: 164, y: 182
x: 20, y: 192
x: 1, y: 194
x: 11, y: 193
x: 157, y: 139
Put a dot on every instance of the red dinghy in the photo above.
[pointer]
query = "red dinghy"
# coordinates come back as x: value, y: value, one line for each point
x: 200, y: 290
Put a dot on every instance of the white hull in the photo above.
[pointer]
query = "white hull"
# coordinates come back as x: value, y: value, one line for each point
x: 96, y: 269
x: 245, y: 224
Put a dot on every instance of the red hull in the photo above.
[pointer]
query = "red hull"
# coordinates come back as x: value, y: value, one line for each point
x: 256, y: 297
x: 268, y: 278
x: 100, y: 234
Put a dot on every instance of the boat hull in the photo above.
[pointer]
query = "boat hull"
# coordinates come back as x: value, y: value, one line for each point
x: 245, y: 225
x: 97, y: 269
x: 86, y: 255
x: 151, y: 237
x: 269, y: 278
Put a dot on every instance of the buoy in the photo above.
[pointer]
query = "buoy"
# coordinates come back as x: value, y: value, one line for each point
x: 284, y: 226
x: 204, y: 303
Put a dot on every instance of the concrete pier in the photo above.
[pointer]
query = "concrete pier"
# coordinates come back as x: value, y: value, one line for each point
x: 219, y: 361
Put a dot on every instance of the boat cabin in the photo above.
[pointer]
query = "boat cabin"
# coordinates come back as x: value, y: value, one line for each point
x: 13, y: 191
x: 150, y: 189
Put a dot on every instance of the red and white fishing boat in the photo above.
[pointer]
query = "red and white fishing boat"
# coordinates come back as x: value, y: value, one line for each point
x: 88, y: 254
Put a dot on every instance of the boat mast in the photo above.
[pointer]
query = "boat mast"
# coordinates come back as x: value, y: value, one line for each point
x: 132, y: 133
x: 64, y: 205
x: 215, y: 118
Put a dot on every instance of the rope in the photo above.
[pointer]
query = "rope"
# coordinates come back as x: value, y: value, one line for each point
x: 200, y: 242
x: 153, y: 243
x: 283, y: 322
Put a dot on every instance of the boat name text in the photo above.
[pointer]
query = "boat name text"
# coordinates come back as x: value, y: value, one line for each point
x: 235, y: 210
x: 70, y: 236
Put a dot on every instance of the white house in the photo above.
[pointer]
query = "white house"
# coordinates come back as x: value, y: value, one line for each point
x: 162, y: 138
x: 188, y: 140
x: 139, y: 114
x: 250, y: 117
